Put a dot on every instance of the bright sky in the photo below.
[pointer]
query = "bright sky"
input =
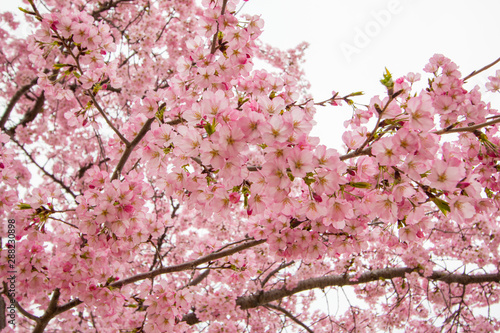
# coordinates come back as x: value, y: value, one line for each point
x: 351, y: 42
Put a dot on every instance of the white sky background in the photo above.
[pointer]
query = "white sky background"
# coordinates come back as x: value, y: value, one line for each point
x: 466, y: 32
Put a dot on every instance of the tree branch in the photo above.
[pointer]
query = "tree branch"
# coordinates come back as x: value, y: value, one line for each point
x: 106, y: 6
x: 32, y: 113
x: 356, y: 153
x: 24, y: 89
x: 271, y: 274
x: 18, y: 306
x: 188, y: 265
x: 289, y: 315
x: 165, y: 270
x: 197, y: 280
x: 480, y: 70
x: 50, y: 313
x: 261, y: 298
x: 130, y: 148
x: 214, y: 40
x: 110, y: 124
x: 468, y: 128
x: 58, y: 181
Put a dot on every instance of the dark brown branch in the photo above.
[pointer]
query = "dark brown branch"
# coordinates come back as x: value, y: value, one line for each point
x: 214, y: 40
x: 14, y: 100
x: 3, y: 319
x: 32, y: 113
x: 18, y: 306
x: 106, y: 6
x: 356, y: 153
x: 264, y: 297
x: 130, y: 148
x: 50, y: 313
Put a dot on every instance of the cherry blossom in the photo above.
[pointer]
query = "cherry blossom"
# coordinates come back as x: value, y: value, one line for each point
x: 161, y: 181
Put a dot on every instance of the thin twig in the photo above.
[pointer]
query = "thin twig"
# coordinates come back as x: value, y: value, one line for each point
x: 130, y: 148
x: 481, y: 70
x: 468, y: 128
x: 271, y: 274
x: 214, y: 40
x: 18, y: 306
x: 67, y: 223
x: 289, y: 315
x: 64, y: 186
x: 110, y: 124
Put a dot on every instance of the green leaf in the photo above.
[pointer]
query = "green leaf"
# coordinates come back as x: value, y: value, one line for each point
x: 387, y: 80
x: 360, y: 184
x: 26, y: 11
x: 57, y: 66
x: 24, y: 206
x: 209, y: 129
x: 96, y: 88
x: 443, y: 206
x: 309, y: 180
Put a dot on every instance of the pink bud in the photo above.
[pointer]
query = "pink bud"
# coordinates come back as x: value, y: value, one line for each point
x: 234, y: 197
x: 103, y: 52
x: 420, y: 234
x: 53, y: 25
x: 2, y: 166
x: 317, y: 198
x: 91, y: 187
x: 249, y: 211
